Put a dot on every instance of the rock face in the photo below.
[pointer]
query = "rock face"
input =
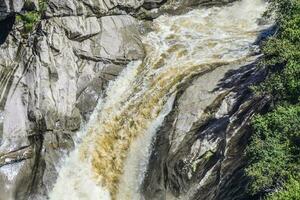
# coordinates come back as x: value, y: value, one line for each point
x: 50, y: 83
x: 10, y: 6
x: 90, y: 7
x: 51, y: 79
x: 199, y: 152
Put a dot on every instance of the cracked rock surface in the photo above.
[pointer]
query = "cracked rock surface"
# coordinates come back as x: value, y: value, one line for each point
x: 199, y: 151
x: 50, y: 82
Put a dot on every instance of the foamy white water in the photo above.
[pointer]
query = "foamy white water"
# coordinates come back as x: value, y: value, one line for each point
x: 81, y: 184
x: 113, y: 156
x: 138, y: 157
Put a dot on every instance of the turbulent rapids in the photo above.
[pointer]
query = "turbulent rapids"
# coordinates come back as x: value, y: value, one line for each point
x: 110, y: 161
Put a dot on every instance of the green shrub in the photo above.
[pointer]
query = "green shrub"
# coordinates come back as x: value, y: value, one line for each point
x: 274, y: 150
x: 42, y: 6
x: 284, y: 85
x: 31, y: 18
x: 291, y: 191
x: 282, y: 54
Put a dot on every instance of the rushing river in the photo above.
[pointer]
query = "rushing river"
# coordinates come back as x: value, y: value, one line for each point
x: 111, y: 160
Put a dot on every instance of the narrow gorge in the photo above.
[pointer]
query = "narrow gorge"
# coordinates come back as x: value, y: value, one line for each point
x: 128, y: 100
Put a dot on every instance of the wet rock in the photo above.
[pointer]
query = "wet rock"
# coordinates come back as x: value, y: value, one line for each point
x: 154, y: 8
x: 199, y: 152
x: 15, y: 156
x: 50, y: 83
x: 52, y: 78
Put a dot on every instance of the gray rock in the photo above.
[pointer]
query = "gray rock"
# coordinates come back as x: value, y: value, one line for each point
x: 199, y: 152
x: 50, y: 83
x: 52, y: 78
x: 154, y: 8
x: 90, y: 7
x: 8, y: 7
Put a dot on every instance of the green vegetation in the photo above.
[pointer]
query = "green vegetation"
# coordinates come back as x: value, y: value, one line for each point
x: 291, y: 191
x: 31, y: 18
x: 42, y: 6
x: 274, y: 150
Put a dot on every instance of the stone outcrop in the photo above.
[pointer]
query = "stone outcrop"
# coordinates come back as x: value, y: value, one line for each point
x: 199, y: 151
x: 51, y: 80
x: 7, y: 7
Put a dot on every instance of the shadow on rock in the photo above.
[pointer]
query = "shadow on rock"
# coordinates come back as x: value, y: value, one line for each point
x: 6, y: 26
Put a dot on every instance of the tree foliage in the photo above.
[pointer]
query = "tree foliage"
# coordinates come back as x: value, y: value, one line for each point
x: 274, y: 150
x: 291, y: 191
x: 30, y: 18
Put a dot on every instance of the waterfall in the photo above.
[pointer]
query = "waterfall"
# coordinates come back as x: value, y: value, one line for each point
x: 110, y: 161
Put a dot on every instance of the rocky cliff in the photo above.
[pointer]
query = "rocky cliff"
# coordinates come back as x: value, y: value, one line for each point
x: 199, y: 151
x: 51, y: 79
x: 52, y: 76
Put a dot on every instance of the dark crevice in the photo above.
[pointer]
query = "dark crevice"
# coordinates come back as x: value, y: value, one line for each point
x: 38, y: 167
x: 6, y: 26
x: 153, y: 5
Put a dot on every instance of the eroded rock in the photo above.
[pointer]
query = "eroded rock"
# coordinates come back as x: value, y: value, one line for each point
x: 8, y: 7
x: 51, y: 80
x: 199, y: 152
x: 50, y: 84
